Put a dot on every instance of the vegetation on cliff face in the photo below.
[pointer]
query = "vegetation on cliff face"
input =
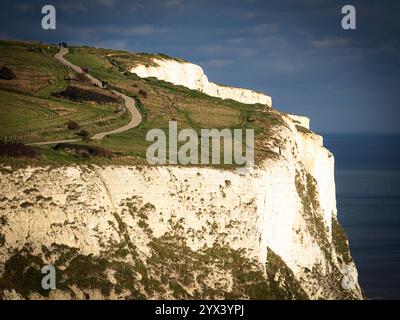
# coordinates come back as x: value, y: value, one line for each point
x: 172, y: 270
x: 338, y: 248
x: 22, y: 273
x: 282, y: 281
x: 340, y: 241
x: 133, y: 263
x: 308, y: 193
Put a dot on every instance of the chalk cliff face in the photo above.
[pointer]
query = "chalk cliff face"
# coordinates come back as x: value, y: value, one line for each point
x: 192, y: 76
x: 180, y: 232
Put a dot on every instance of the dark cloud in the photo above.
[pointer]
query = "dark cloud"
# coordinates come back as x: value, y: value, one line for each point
x: 294, y: 50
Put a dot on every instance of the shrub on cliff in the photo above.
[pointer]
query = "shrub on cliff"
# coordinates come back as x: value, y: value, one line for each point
x: 143, y: 93
x: 6, y: 73
x: 84, y: 134
x: 72, y: 125
x: 87, y: 95
x: 17, y: 150
x: 84, y: 151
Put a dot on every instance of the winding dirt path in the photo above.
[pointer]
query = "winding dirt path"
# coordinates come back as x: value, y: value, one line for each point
x: 129, y: 104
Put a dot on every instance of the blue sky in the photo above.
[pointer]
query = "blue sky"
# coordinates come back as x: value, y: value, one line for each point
x: 294, y: 50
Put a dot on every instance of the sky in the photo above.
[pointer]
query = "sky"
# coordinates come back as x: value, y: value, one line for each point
x: 294, y: 50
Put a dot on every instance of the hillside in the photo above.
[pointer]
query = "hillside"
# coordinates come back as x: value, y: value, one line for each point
x: 115, y: 227
x: 44, y: 96
x: 159, y: 103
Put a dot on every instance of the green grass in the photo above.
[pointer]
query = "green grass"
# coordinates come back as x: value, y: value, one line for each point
x: 166, y: 102
x: 29, y: 111
x: 161, y: 103
x: 25, y: 113
x: 127, y: 60
x: 36, y: 70
x: 95, y: 60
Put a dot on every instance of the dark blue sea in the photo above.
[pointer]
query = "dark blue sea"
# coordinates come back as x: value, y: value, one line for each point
x: 368, y: 199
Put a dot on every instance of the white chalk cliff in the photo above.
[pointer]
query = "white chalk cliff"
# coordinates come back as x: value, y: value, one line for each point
x: 192, y: 76
x: 178, y: 232
x: 171, y: 232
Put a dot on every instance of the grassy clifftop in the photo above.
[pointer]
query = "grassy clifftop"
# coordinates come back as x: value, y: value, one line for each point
x: 33, y: 110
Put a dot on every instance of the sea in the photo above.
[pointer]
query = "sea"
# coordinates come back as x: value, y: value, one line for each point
x: 367, y: 175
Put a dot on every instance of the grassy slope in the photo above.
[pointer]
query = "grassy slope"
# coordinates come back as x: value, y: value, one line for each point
x: 164, y: 102
x: 28, y: 109
x: 160, y: 102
